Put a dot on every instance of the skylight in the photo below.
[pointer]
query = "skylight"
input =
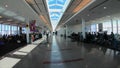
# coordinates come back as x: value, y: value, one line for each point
x: 56, y: 9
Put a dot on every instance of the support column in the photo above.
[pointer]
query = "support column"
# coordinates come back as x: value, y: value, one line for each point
x: 1, y: 29
x: 112, y: 25
x: 117, y: 25
x: 20, y: 30
x: 27, y: 32
x: 83, y: 28
x: 66, y: 31
x: 11, y: 29
x: 100, y: 27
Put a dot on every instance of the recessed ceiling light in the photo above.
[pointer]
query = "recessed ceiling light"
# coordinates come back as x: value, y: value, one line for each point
x: 105, y: 7
x: 6, y: 5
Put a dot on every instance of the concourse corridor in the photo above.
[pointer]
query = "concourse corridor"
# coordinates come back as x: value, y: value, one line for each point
x: 60, y: 52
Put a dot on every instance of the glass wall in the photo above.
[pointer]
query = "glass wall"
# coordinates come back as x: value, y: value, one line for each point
x: 8, y: 29
x: 88, y: 28
x: 0, y: 29
x: 118, y: 26
x: 114, y: 26
x: 94, y: 28
x: 107, y: 26
x: 23, y: 30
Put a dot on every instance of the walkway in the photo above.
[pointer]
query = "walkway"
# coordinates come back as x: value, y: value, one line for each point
x: 63, y: 53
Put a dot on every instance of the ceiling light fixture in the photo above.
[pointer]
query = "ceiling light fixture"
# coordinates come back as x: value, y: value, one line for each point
x: 105, y: 7
x: 81, y: 5
x: 6, y: 5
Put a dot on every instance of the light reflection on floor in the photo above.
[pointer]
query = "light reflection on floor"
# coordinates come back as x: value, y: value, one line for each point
x: 28, y: 48
x: 56, y: 55
x: 20, y: 53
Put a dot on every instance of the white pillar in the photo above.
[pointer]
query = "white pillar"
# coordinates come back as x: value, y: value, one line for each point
x: 11, y: 29
x: 64, y: 28
x: 117, y: 25
x: 112, y: 25
x: 28, y: 32
x: 83, y: 28
x: 18, y: 30
x: 66, y: 31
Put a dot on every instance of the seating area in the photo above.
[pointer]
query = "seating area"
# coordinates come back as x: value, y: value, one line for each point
x: 103, y: 39
x: 9, y: 43
x: 15, y: 56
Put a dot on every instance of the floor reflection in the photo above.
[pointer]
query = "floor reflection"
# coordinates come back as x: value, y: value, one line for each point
x: 56, y: 55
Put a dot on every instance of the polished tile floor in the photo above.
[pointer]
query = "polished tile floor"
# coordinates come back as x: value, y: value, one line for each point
x: 59, y: 52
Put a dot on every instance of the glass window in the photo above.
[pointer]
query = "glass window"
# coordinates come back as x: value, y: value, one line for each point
x: 94, y: 28
x: 23, y: 30
x: 9, y: 27
x: 5, y: 26
x: 119, y: 27
x: 18, y: 30
x: 97, y: 27
x: 14, y: 29
x: 0, y: 29
x: 3, y: 32
x: 107, y: 27
x: 88, y: 28
x: 114, y: 27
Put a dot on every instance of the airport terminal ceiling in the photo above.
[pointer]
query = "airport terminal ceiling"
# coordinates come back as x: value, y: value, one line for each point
x: 45, y: 10
x: 56, y: 12
x: 41, y: 10
x: 17, y: 12
x: 100, y: 9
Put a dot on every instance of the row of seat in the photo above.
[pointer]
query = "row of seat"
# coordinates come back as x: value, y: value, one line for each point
x: 8, y: 61
x: 101, y: 39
